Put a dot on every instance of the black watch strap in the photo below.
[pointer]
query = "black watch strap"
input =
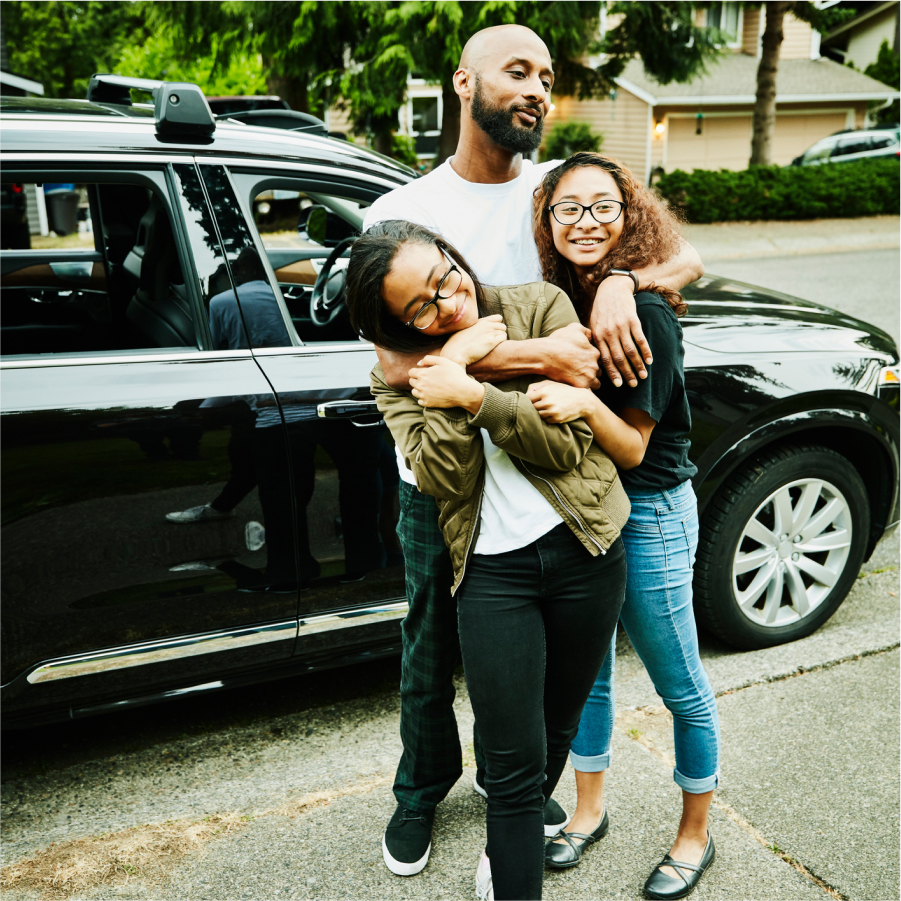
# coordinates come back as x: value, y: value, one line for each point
x: 628, y: 272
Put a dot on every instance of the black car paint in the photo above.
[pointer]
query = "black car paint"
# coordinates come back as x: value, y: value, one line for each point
x: 96, y: 453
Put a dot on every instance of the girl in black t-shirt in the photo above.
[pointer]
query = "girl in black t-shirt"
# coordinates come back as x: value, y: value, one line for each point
x: 592, y: 216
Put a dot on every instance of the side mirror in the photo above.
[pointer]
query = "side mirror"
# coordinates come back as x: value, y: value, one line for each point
x: 323, y: 226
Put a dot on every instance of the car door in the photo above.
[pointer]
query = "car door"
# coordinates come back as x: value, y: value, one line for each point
x: 344, y: 474
x: 134, y: 551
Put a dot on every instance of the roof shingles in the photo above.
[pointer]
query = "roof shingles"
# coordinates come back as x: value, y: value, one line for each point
x: 735, y: 75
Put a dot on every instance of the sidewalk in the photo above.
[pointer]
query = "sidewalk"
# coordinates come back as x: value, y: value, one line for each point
x: 739, y: 240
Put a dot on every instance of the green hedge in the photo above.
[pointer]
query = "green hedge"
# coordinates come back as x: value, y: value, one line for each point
x: 836, y: 190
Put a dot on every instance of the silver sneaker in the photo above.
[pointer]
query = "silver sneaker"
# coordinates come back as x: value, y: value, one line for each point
x: 198, y: 514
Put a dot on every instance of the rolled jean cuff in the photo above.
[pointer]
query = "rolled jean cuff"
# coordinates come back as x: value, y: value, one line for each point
x: 694, y: 786
x: 595, y: 764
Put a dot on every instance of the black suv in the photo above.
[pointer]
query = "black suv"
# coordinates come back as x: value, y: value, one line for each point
x: 197, y: 487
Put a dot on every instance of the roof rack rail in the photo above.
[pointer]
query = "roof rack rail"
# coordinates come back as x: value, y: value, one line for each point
x: 179, y: 107
x: 292, y: 120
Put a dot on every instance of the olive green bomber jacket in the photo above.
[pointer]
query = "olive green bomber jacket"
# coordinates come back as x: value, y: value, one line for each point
x: 443, y: 447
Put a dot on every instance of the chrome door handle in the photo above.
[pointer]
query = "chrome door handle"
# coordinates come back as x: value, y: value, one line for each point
x: 347, y: 409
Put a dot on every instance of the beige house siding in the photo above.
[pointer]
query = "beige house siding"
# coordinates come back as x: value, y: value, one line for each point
x: 863, y: 45
x: 751, y: 31
x: 623, y: 122
x: 797, y: 36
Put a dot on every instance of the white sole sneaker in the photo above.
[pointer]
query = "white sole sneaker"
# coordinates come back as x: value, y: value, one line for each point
x: 549, y: 831
x: 404, y: 869
x: 479, y: 789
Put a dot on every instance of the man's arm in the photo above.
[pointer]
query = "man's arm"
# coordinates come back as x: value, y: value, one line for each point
x: 565, y: 356
x: 397, y: 365
x: 614, y: 323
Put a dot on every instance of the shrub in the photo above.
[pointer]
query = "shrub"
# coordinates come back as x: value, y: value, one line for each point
x: 834, y: 190
x: 403, y: 149
x: 568, y: 138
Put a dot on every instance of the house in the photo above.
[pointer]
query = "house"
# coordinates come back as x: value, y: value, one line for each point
x: 857, y: 41
x: 706, y: 123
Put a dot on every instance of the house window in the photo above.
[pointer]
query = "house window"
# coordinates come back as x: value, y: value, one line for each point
x: 726, y: 17
x: 424, y: 116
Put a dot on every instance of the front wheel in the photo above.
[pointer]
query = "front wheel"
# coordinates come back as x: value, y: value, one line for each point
x: 780, y: 546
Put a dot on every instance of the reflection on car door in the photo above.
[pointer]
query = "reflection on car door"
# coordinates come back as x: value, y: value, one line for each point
x: 343, y: 470
x: 133, y: 526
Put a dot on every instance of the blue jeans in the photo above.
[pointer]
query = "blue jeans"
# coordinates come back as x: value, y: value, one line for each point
x: 661, y: 539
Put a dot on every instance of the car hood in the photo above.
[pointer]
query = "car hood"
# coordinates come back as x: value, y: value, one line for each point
x: 732, y: 317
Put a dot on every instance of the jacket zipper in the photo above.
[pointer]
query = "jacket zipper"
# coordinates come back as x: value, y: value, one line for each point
x: 472, y: 536
x: 565, y: 506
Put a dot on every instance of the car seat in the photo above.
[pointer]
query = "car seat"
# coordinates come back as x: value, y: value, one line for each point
x: 159, y: 310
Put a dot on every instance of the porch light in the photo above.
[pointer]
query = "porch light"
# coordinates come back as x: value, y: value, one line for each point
x: 659, y: 128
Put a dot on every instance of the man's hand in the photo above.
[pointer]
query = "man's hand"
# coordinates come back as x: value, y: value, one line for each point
x: 617, y: 332
x: 439, y: 382
x: 477, y: 341
x: 570, y: 357
x: 559, y: 403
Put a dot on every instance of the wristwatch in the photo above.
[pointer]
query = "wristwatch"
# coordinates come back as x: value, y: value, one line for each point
x: 628, y: 272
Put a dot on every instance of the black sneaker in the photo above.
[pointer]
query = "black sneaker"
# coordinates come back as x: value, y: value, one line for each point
x: 555, y: 817
x: 407, y: 841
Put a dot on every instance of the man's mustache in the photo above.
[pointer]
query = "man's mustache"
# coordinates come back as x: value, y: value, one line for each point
x: 528, y: 107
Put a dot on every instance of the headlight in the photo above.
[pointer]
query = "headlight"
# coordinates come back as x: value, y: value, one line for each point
x: 889, y: 384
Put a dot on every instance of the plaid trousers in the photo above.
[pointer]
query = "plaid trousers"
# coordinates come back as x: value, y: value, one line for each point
x: 431, y: 761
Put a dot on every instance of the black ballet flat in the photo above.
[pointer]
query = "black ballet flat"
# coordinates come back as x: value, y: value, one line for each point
x: 562, y: 857
x: 663, y: 887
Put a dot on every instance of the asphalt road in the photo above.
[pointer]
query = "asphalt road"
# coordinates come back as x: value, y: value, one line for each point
x: 864, y: 284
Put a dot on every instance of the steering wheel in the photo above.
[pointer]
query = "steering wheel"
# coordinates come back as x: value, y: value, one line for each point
x: 328, y: 292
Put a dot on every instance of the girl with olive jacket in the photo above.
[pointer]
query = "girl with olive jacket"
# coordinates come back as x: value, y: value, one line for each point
x: 531, y: 512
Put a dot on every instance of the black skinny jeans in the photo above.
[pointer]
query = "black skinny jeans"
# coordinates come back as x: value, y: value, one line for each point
x: 535, y: 625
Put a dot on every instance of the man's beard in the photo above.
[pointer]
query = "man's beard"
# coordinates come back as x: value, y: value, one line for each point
x: 498, y: 124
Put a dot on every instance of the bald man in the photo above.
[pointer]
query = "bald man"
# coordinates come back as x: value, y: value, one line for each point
x: 481, y: 201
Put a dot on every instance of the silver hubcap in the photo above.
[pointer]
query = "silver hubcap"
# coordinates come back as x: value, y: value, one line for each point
x: 791, y: 553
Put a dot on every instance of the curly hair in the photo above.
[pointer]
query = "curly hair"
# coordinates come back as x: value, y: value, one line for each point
x: 650, y: 234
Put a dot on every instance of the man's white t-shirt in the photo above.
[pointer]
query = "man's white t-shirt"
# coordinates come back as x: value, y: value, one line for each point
x: 491, y: 226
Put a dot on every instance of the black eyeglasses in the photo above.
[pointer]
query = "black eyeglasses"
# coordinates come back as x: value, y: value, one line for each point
x: 568, y: 212
x: 447, y: 287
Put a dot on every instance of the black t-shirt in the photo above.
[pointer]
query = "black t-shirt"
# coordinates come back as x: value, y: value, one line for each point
x: 662, y: 396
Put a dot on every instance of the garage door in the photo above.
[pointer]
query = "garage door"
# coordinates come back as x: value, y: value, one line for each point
x: 795, y: 133
x: 725, y: 143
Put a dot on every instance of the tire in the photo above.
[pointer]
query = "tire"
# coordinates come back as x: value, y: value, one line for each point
x: 753, y: 586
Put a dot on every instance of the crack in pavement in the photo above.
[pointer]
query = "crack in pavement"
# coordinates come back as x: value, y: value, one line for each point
x: 802, y: 670
x: 635, y: 717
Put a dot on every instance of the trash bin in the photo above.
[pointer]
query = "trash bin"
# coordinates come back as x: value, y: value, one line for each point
x: 62, y: 211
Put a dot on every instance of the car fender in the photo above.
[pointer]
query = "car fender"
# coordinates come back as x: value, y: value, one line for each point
x: 833, y: 427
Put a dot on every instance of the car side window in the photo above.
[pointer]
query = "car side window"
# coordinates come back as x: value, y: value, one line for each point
x: 236, y: 288
x: 301, y: 222
x: 856, y: 144
x: 96, y: 269
x: 880, y: 142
